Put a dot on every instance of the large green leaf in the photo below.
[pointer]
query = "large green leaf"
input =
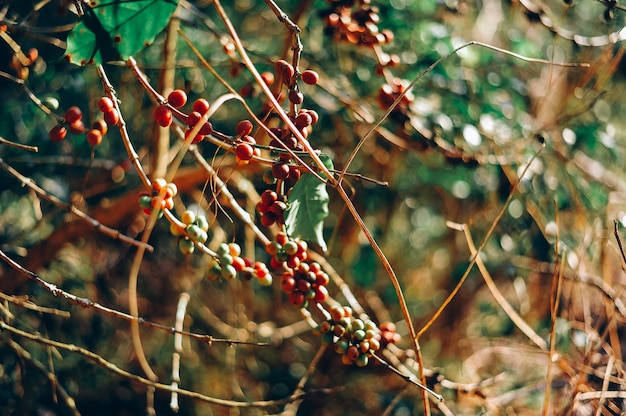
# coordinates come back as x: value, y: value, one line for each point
x: 308, y: 207
x: 117, y: 29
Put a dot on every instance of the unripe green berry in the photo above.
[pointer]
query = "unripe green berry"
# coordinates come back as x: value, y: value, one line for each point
x: 362, y: 360
x: 214, y: 270
x: 228, y: 272
x: 193, y: 231
x: 222, y: 249
x: 186, y: 246
x: 202, y: 222
x: 226, y: 259
x: 291, y: 248
x: 145, y: 201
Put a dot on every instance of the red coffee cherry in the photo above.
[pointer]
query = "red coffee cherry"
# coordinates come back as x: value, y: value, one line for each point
x: 73, y: 114
x: 58, y: 133
x: 201, y: 106
x: 112, y: 117
x: 177, y: 98
x: 163, y: 116
x: 94, y: 137
x: 310, y: 77
x: 105, y: 104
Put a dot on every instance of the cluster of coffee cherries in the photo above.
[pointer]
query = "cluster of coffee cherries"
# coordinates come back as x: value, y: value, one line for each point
x: 388, y: 93
x: 74, y: 123
x: 355, y: 22
x: 287, y: 253
x: 356, y: 340
x: 176, y: 99
x: 195, y: 231
x: 272, y: 208
x: 305, y: 283
x: 228, y: 263
x: 156, y: 200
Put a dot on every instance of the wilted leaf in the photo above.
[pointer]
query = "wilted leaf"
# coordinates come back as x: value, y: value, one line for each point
x: 308, y: 207
x: 117, y: 29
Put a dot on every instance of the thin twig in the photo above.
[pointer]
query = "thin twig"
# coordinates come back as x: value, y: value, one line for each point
x: 86, y: 303
x: 25, y: 303
x: 619, y: 242
x: 159, y: 386
x: 430, y: 69
x: 67, y: 399
x: 110, y: 232
x: 19, y: 145
x: 493, y: 288
x: 490, y: 231
x: 181, y: 309
x: 408, y: 379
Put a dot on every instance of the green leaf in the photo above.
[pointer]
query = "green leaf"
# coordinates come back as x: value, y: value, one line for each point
x: 117, y: 29
x: 308, y: 207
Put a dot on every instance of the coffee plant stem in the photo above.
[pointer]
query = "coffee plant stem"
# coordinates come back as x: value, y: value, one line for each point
x: 407, y: 378
x: 337, y: 184
x: 270, y: 96
x: 292, y: 408
x: 161, y: 136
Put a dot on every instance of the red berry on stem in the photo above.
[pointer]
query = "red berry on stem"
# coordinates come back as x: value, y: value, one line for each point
x: 193, y: 118
x: 321, y: 293
x: 112, y: 117
x: 296, y: 97
x: 163, y: 116
x: 280, y: 170
x: 268, y: 219
x: 314, y: 116
x: 281, y: 238
x: 288, y: 283
x: 58, y: 133
x: 77, y: 127
x: 244, y: 151
x: 201, y: 106
x: 268, y: 197
x: 310, y: 77
x: 296, y: 298
x: 244, y: 127
x: 303, y: 120
x: 207, y: 128
x: 94, y: 137
x: 177, y: 98
x: 105, y: 104
x: 280, y: 65
x: 73, y: 114
x: 100, y: 125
